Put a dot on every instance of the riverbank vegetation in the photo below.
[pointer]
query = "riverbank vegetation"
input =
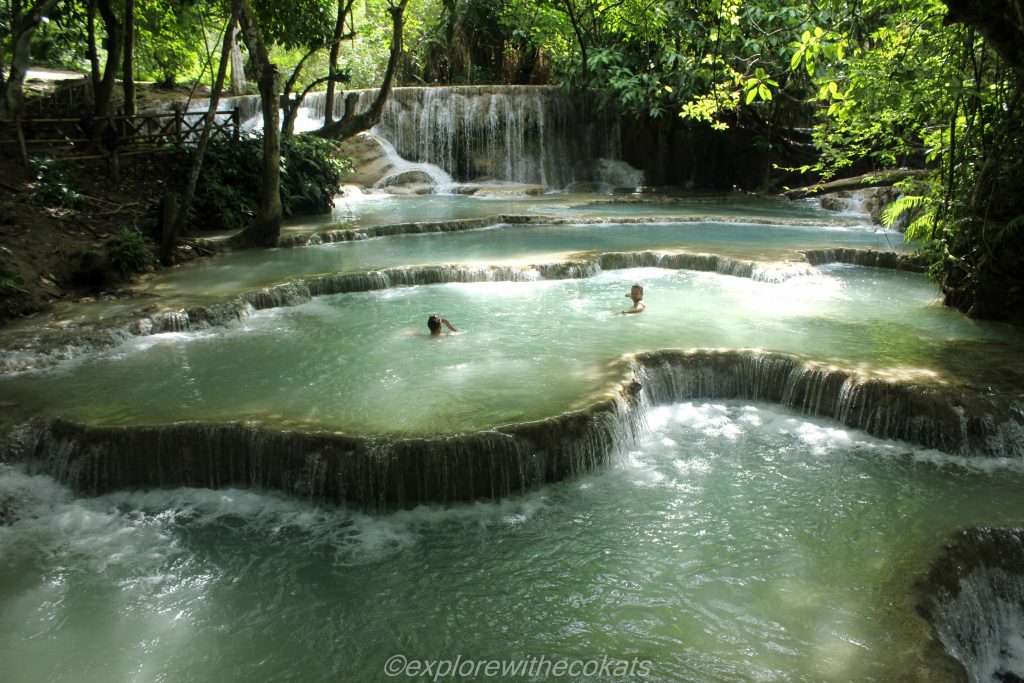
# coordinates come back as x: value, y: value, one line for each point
x: 934, y: 85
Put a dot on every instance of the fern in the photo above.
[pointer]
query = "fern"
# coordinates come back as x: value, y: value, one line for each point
x: 921, y: 227
x: 907, y: 202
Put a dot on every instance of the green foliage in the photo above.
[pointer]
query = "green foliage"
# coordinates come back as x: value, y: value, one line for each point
x: 311, y: 172
x: 903, y: 205
x: 759, y: 86
x: 172, y: 38
x: 53, y: 188
x: 711, y: 62
x: 227, y: 196
x: 130, y: 252
x: 900, y: 86
x: 296, y: 23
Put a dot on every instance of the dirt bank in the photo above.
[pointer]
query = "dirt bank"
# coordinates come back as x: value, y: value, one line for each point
x: 58, y: 221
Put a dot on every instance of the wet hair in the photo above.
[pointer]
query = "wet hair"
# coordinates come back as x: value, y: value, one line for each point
x: 635, y: 288
x: 434, y: 323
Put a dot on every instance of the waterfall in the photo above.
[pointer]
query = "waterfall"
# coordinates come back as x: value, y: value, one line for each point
x: 954, y: 420
x: 58, y: 346
x: 524, y: 134
x: 402, y: 171
x: 874, y: 258
x: 384, y: 471
x: 755, y: 270
x: 974, y: 599
x: 375, y: 472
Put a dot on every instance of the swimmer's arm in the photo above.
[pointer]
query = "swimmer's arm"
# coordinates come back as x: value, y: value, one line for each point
x: 449, y: 325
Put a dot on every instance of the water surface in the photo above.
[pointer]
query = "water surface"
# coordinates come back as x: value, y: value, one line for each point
x: 739, y: 542
x: 364, y: 362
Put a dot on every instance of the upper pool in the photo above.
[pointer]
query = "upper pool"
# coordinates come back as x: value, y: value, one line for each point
x: 364, y: 362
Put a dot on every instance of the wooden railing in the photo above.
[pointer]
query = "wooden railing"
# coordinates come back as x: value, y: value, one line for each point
x: 153, y: 131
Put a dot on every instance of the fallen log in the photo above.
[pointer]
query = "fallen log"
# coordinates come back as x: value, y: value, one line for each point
x: 876, y: 179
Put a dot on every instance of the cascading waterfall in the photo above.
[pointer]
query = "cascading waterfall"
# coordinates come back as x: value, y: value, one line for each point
x: 871, y: 258
x: 951, y: 420
x: 524, y: 134
x: 380, y: 471
x: 375, y: 473
x: 974, y: 599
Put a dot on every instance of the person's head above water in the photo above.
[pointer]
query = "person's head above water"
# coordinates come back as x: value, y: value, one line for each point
x: 435, y: 322
x: 636, y: 293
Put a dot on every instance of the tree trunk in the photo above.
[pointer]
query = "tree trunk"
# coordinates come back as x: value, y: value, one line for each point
x: 267, y: 227
x: 576, y: 22
x: 1001, y: 22
x: 352, y: 123
x: 22, y: 29
x: 292, y: 105
x: 238, y: 84
x: 344, y: 6
x: 129, y: 57
x: 115, y: 42
x: 12, y: 103
x: 173, y: 228
x: 90, y: 49
x: 876, y: 179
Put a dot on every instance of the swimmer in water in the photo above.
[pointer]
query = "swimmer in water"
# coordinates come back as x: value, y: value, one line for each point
x: 434, y: 322
x: 636, y: 293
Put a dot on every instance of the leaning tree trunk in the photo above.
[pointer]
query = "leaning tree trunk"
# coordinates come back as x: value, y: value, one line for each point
x: 12, y: 102
x: 876, y: 179
x: 292, y: 105
x: 267, y: 227
x: 23, y: 28
x: 351, y: 123
x: 238, y: 84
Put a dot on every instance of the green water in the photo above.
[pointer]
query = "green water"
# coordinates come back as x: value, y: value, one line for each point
x: 530, y: 244
x: 738, y: 543
x: 380, y: 209
x: 364, y: 362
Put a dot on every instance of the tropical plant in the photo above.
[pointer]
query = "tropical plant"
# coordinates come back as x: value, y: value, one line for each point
x: 130, y: 252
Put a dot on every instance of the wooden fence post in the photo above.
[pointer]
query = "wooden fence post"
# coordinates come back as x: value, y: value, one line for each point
x: 178, y: 119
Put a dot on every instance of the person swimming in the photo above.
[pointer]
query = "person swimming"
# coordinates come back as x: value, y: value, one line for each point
x: 636, y: 293
x: 434, y: 323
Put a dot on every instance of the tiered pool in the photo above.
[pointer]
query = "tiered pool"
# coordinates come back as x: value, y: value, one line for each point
x: 732, y: 539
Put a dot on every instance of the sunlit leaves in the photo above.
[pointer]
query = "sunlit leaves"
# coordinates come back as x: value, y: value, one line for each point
x: 759, y: 86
